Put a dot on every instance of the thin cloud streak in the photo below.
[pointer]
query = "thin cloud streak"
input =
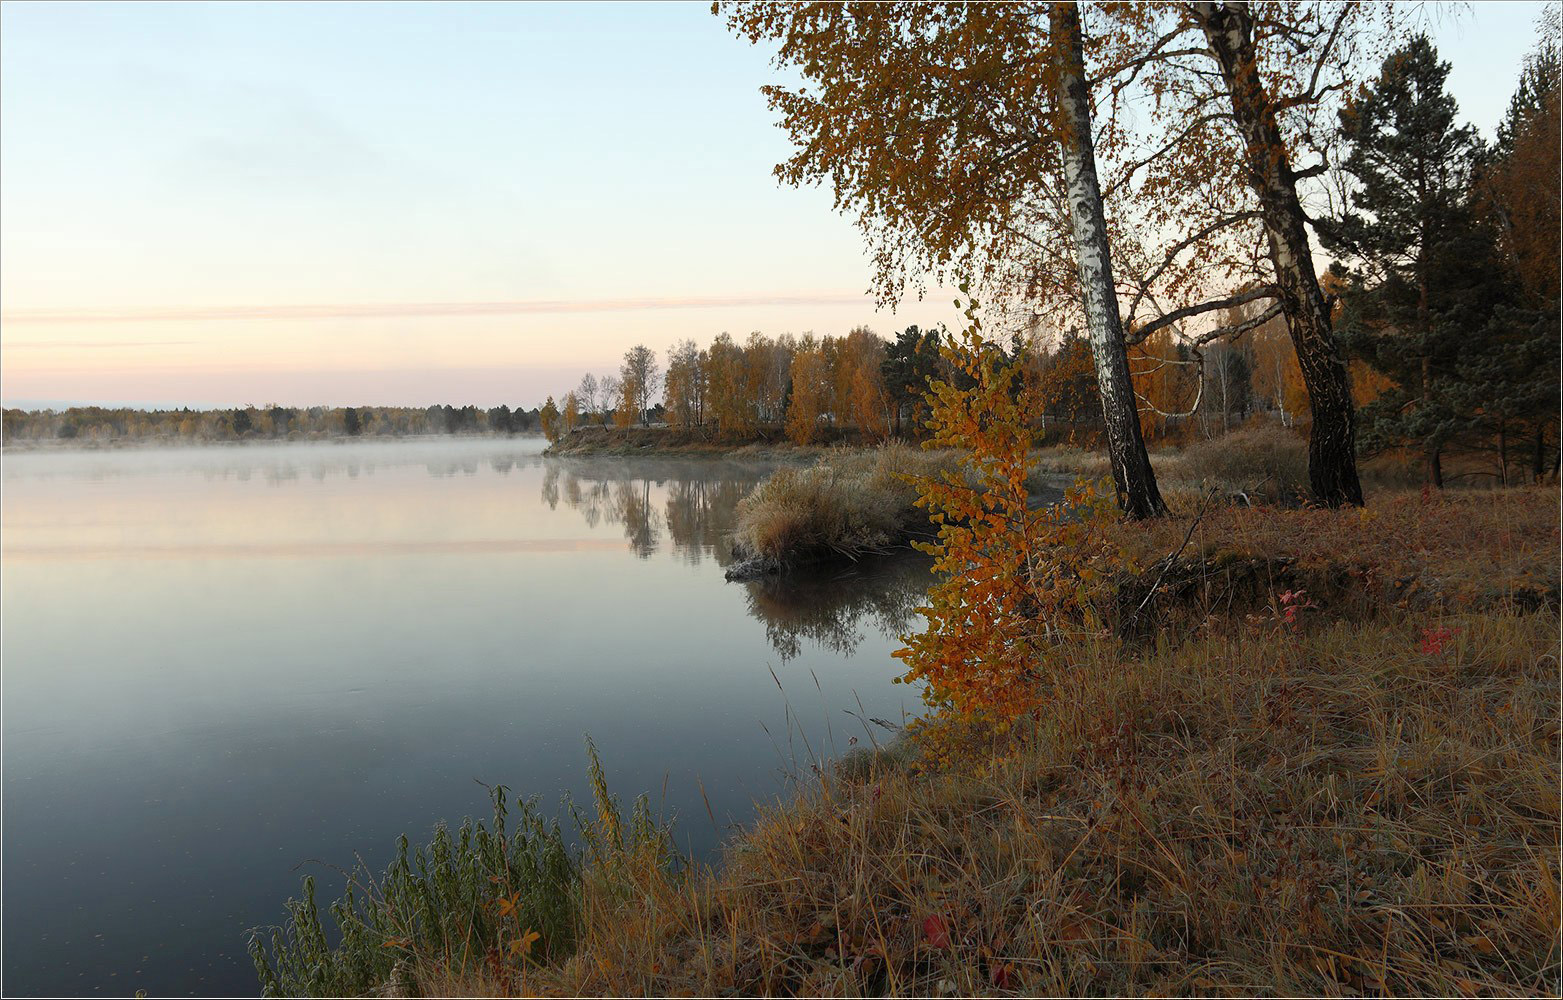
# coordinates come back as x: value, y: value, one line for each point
x: 385, y: 310
x: 21, y: 345
x: 294, y: 550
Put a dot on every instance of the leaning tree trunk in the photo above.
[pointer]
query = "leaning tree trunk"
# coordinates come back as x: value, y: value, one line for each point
x: 1332, y: 446
x: 1132, y: 473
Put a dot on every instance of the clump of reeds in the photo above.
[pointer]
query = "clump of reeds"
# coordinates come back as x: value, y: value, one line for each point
x: 851, y: 502
x: 490, y: 902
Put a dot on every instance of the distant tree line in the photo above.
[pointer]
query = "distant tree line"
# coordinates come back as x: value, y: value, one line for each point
x: 287, y: 423
x: 803, y: 386
x: 811, y: 388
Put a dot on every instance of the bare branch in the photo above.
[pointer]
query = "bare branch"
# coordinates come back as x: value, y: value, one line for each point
x: 1177, y: 315
x: 1136, y: 166
x: 1238, y: 329
x: 1314, y: 171
x: 1199, y: 393
x: 1324, y: 53
x: 1178, y: 248
x: 1140, y: 63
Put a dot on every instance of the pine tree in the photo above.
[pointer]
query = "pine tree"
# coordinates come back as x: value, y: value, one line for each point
x: 1520, y: 188
x: 1425, y: 273
x: 911, y: 362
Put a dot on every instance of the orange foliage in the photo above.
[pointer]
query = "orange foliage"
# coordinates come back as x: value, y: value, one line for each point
x: 862, y: 385
x: 810, y: 388
x: 548, y: 417
x: 1526, y: 188
x: 732, y: 397
x: 629, y: 403
x: 1014, y: 583
x: 571, y: 414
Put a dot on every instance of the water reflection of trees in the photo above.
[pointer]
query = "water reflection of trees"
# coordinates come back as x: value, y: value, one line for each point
x: 696, y: 507
x: 835, y: 610
x: 701, y: 514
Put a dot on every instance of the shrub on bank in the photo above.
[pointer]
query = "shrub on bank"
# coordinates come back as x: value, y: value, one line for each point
x: 849, y: 503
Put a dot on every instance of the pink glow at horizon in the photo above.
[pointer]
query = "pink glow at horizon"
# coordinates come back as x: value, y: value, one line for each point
x: 414, y: 354
x: 406, y: 204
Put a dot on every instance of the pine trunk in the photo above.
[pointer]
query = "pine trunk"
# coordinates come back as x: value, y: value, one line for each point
x: 1332, y: 445
x: 1435, y: 469
x: 1132, y: 473
x: 1503, y: 451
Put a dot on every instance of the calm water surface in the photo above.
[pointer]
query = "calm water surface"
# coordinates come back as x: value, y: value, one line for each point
x: 227, y: 667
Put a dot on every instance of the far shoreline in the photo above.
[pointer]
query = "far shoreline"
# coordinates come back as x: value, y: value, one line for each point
x: 628, y: 442
x: 59, y: 445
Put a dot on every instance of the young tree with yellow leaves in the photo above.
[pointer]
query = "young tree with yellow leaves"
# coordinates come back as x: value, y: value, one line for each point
x: 570, y: 413
x: 810, y: 392
x: 1015, y: 582
x: 548, y: 417
x: 731, y: 393
x: 628, y: 410
x: 684, y: 388
x: 639, y: 377
x: 861, y: 382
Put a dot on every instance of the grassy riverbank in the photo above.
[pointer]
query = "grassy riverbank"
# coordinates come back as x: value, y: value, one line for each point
x: 1327, y: 813
x: 853, y: 501
x: 1353, y: 789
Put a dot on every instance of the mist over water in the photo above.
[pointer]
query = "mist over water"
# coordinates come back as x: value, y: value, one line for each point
x: 221, y: 663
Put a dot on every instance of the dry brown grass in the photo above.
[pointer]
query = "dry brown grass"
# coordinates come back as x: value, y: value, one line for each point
x: 1068, y: 460
x: 1267, y: 460
x: 1322, y: 812
x: 1445, y: 550
x: 1264, y: 460
x: 850, y: 502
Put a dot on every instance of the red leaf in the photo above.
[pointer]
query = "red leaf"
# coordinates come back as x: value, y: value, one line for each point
x: 936, y: 931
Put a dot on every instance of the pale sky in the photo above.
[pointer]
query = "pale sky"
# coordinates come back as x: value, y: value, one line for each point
x: 401, y: 204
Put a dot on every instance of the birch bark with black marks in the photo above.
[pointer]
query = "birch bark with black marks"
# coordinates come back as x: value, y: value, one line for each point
x: 1332, y: 444
x: 1132, y: 474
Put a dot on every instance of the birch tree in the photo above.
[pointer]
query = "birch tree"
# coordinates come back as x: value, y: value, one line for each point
x: 1132, y: 474
x: 1228, y: 99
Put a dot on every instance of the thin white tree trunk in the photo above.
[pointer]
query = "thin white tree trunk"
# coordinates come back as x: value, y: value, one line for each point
x: 1132, y: 473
